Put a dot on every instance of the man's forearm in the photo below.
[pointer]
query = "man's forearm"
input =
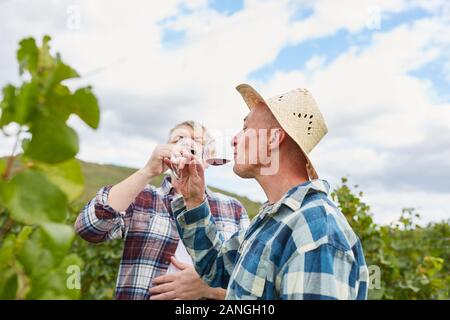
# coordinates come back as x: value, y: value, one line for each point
x: 123, y: 194
x: 215, y: 262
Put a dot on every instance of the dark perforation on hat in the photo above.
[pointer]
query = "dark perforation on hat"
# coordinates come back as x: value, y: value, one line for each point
x: 310, y: 122
x: 280, y: 97
x: 311, y: 116
x: 309, y: 128
x: 293, y: 114
x: 299, y: 115
x: 306, y: 115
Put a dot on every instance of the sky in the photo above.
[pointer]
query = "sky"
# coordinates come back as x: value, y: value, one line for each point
x: 378, y: 69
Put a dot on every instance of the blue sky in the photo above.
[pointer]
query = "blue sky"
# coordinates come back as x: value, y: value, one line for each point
x: 227, y: 7
x: 378, y: 69
x: 294, y: 56
x: 171, y: 36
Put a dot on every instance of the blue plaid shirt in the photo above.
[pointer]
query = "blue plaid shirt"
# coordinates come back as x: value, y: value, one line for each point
x: 301, y: 247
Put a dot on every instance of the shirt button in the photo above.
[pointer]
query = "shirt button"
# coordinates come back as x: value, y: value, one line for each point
x: 166, y: 262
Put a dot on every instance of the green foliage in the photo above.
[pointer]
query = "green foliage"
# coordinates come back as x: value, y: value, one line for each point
x: 413, y: 260
x: 66, y: 175
x: 36, y: 189
x: 98, y: 277
x: 24, y: 194
x: 46, y: 146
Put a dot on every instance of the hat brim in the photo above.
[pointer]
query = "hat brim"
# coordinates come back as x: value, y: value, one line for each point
x: 252, y: 98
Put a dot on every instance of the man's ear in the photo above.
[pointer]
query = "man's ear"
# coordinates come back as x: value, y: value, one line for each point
x: 277, y: 136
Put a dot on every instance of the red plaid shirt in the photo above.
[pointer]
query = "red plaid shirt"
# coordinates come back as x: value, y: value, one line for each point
x: 150, y: 232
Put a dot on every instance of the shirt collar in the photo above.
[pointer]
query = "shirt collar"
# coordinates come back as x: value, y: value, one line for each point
x: 294, y: 197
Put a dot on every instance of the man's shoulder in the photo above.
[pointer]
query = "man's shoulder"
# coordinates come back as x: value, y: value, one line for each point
x: 318, y: 222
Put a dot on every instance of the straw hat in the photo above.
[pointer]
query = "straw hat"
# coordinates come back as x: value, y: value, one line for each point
x: 298, y: 115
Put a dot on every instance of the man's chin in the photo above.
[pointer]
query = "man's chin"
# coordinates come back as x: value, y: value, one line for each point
x: 242, y: 171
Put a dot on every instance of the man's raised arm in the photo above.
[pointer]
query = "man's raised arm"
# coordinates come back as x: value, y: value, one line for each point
x: 213, y: 257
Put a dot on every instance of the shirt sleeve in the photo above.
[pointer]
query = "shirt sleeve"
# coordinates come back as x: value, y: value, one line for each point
x: 213, y: 257
x: 244, y: 220
x: 324, y: 273
x: 98, y: 221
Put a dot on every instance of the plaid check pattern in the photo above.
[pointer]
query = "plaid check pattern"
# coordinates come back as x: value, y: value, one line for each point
x: 301, y: 247
x: 150, y: 233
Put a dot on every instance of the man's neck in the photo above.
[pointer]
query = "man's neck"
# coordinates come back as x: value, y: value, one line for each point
x: 276, y: 185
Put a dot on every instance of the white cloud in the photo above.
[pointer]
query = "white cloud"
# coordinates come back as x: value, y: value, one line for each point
x: 351, y: 15
x: 112, y: 147
x: 387, y: 207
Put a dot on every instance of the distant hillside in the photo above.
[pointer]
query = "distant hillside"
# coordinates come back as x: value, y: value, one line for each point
x: 98, y: 175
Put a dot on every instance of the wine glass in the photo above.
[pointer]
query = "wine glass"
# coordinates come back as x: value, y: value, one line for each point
x: 205, y: 155
x: 214, y: 161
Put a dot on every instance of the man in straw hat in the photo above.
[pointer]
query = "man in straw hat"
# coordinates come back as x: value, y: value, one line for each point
x: 300, y: 245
